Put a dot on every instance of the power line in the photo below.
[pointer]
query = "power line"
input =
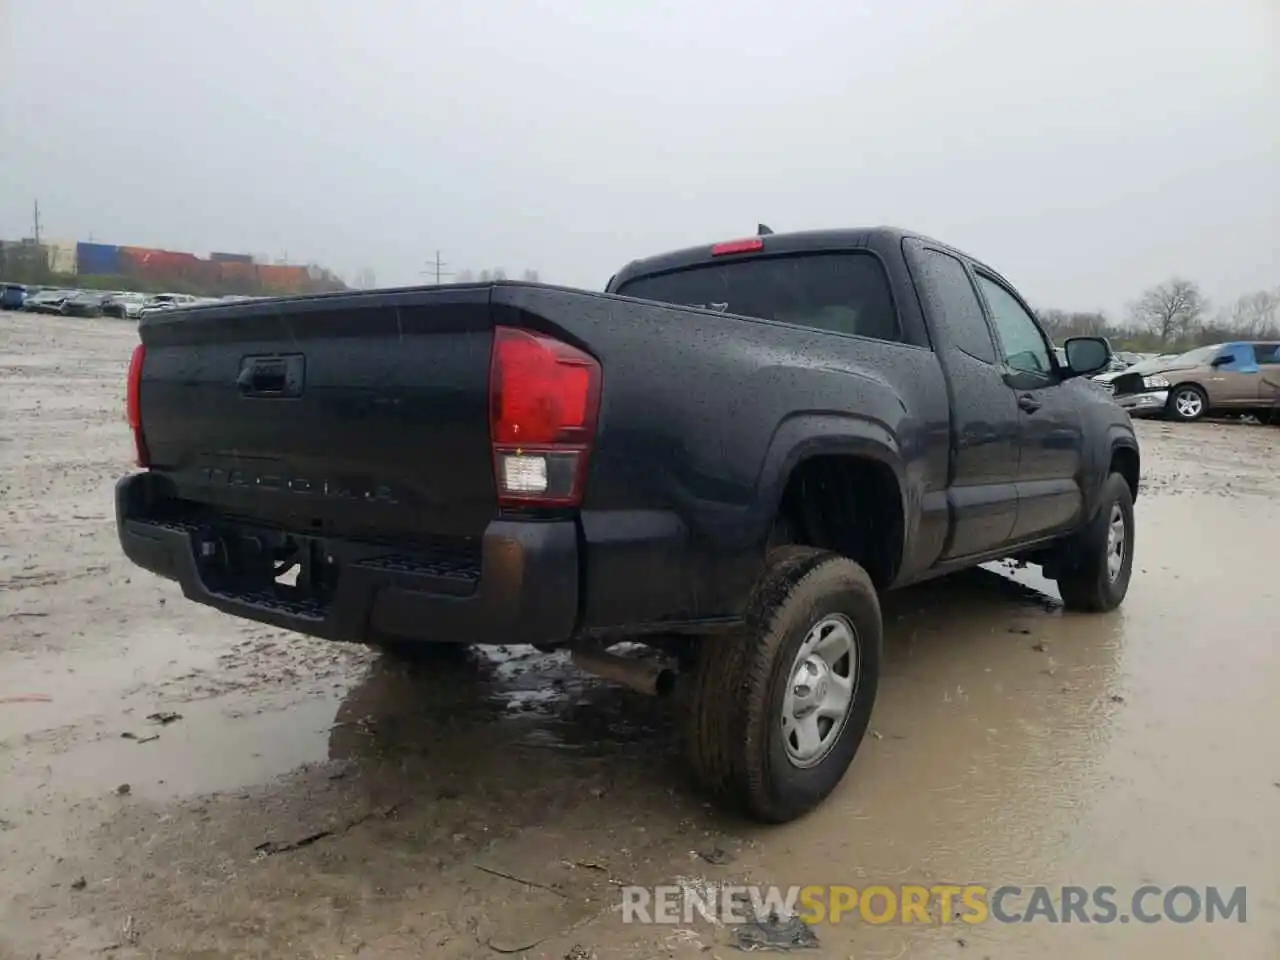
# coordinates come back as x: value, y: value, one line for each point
x: 436, y: 267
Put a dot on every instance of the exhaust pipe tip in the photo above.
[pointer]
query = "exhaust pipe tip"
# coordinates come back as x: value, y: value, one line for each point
x: 649, y: 677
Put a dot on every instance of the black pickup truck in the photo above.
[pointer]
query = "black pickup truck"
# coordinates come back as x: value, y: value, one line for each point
x: 725, y: 457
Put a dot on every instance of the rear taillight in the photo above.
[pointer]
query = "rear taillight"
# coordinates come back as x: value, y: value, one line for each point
x: 133, y: 405
x: 544, y: 397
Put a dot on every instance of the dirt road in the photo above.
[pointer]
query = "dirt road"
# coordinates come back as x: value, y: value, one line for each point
x: 493, y: 804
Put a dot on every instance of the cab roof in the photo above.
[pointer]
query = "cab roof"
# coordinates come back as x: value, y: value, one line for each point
x: 880, y: 239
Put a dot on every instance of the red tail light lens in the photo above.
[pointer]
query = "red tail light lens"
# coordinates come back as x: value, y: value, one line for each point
x: 544, y: 397
x: 749, y: 245
x: 133, y: 405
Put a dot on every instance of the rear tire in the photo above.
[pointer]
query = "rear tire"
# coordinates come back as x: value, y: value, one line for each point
x: 1187, y: 402
x: 777, y: 711
x: 1093, y: 577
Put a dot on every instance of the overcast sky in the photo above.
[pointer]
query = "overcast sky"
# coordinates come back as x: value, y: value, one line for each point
x: 1086, y: 149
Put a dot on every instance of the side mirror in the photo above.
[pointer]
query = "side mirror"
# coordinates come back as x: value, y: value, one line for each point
x: 1086, y: 355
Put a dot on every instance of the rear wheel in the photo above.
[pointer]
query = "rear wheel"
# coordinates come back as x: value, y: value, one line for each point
x: 1187, y: 402
x: 1095, y: 567
x: 777, y: 711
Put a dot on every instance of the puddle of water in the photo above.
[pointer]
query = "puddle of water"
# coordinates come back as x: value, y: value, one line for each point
x: 218, y: 745
x: 239, y: 728
x: 91, y: 679
x: 500, y: 696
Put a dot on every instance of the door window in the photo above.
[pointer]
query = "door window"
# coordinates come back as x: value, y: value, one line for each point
x: 1237, y: 358
x: 1021, y: 342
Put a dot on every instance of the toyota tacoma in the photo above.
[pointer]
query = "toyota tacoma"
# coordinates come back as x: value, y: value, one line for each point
x: 726, y: 456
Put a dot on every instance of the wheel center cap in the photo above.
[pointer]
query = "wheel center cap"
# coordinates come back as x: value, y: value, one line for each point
x: 811, y: 684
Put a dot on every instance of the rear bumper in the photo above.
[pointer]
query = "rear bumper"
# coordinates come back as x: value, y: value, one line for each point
x: 521, y: 587
x: 1153, y: 401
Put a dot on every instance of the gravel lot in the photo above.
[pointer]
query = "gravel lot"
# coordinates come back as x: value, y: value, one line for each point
x: 492, y: 805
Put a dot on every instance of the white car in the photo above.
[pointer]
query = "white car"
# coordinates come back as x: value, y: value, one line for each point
x: 167, y: 301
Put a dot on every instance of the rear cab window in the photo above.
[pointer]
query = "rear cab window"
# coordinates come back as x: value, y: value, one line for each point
x: 845, y: 292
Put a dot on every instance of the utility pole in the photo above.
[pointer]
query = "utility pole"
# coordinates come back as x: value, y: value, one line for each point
x: 35, y: 225
x: 436, y: 267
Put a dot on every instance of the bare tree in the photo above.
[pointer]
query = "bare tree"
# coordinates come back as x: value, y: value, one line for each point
x: 1061, y: 324
x: 1089, y: 324
x: 465, y: 276
x: 529, y: 276
x: 366, y: 279
x: 499, y: 273
x: 1255, y: 314
x: 1170, y: 311
x: 485, y: 276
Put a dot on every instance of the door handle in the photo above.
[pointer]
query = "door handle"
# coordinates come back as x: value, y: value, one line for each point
x: 1028, y: 403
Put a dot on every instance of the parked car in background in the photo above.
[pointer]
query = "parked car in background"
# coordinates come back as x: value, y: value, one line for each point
x: 47, y: 301
x: 87, y: 303
x: 125, y: 306
x: 1095, y: 382
x: 167, y: 301
x: 1220, y: 378
x: 12, y: 295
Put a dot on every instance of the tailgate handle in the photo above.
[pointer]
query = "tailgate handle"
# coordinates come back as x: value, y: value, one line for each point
x: 271, y: 376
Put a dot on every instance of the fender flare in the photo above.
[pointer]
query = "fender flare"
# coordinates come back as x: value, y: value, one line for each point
x: 804, y: 435
x: 1099, y: 465
x: 1120, y: 440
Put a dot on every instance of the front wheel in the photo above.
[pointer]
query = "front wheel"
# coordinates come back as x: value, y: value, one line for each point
x: 1095, y: 567
x: 1187, y: 402
x: 778, y: 710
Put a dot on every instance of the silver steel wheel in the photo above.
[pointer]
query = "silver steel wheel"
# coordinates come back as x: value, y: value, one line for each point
x: 1115, y: 543
x: 1188, y: 404
x: 820, y: 690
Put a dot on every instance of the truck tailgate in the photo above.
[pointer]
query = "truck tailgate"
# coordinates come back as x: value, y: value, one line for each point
x: 353, y: 416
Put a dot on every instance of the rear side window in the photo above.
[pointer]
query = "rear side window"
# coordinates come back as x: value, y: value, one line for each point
x: 954, y: 305
x: 841, y: 292
x: 1268, y: 353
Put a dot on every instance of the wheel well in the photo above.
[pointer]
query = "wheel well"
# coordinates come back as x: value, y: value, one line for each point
x: 1189, y: 383
x: 848, y: 504
x: 1124, y: 461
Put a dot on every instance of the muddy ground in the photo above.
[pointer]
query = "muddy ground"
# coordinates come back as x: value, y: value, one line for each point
x: 492, y: 805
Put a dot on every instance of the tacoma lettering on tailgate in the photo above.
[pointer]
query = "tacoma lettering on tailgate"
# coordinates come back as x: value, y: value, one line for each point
x: 324, y: 488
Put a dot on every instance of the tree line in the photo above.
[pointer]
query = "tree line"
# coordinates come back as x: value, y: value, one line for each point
x: 489, y: 275
x: 1173, y: 316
